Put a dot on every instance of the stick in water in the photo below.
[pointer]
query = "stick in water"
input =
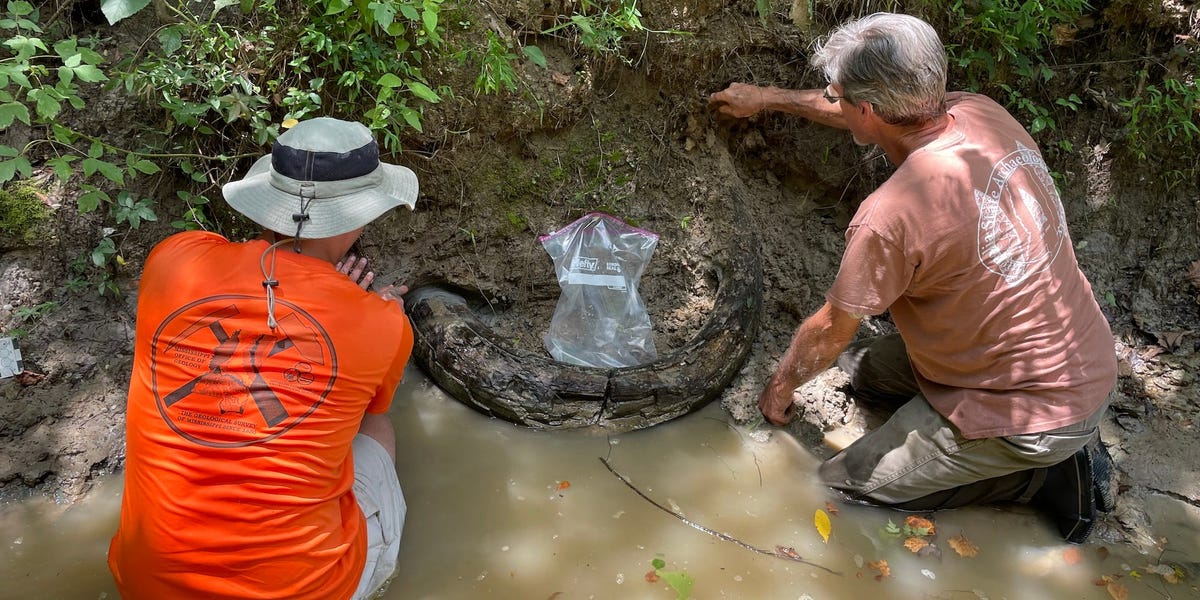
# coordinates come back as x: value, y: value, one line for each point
x: 785, y: 553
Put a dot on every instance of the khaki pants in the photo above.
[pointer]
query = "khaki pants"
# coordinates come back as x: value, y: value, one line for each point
x: 918, y: 460
x: 377, y: 490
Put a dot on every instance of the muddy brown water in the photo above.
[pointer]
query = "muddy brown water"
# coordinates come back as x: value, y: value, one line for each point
x: 497, y: 511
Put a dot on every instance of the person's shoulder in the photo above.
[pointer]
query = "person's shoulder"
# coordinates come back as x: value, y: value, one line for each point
x: 970, y: 100
x: 184, y: 242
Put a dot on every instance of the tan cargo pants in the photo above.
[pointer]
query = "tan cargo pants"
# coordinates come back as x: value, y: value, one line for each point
x: 918, y: 460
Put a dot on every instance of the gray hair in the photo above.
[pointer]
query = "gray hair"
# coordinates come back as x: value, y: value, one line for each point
x: 895, y: 62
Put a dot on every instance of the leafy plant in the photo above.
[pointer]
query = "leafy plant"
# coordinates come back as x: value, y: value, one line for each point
x: 33, y: 313
x: 601, y: 27
x: 37, y: 81
x: 495, y: 69
x: 1003, y: 44
x: 1164, y: 115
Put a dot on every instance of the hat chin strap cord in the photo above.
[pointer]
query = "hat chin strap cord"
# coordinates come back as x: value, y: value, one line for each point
x: 269, y: 282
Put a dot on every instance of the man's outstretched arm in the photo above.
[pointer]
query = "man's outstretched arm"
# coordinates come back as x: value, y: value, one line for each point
x: 816, y: 344
x: 742, y: 100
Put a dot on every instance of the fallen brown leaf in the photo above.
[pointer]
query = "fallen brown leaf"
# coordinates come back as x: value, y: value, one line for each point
x: 28, y: 378
x: 831, y: 509
x: 882, y: 567
x: 915, y: 544
x: 1118, y: 591
x: 1071, y: 556
x: 560, y: 78
x: 919, y: 525
x: 964, y: 547
x: 1102, y: 552
x: 1170, y: 340
x: 651, y: 576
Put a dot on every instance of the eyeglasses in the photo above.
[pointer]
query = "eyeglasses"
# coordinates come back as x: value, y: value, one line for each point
x: 829, y: 97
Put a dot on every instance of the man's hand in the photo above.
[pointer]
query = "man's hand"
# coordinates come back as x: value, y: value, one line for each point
x: 394, y: 293
x: 775, y: 403
x: 356, y: 269
x: 739, y: 100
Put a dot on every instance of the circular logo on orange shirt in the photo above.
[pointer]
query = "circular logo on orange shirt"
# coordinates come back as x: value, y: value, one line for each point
x: 221, y: 378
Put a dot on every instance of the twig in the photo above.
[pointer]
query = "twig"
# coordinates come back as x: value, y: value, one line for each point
x: 779, y: 552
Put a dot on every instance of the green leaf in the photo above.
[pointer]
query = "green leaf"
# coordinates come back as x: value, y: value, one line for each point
x: 679, y: 581
x: 389, y: 80
x: 8, y: 170
x: 25, y: 46
x: 423, y: 92
x: 429, y: 19
x: 534, y: 54
x: 658, y: 563
x: 90, y: 200
x: 13, y: 111
x: 101, y: 253
x: 66, y: 76
x: 334, y: 7
x: 62, y: 166
x: 116, y: 10
x: 145, y: 166
x: 20, y: 8
x: 383, y: 13
x: 409, y: 12
x: 89, y: 74
x: 47, y: 106
x: 412, y: 117
x: 219, y: 4
x: 171, y: 39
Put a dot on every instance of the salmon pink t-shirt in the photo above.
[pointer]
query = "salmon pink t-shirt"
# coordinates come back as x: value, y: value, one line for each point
x: 239, y: 471
x: 966, y: 244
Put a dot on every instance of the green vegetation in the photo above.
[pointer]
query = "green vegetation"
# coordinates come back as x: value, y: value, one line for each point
x: 23, y: 214
x: 679, y: 581
x: 601, y: 27
x: 222, y: 79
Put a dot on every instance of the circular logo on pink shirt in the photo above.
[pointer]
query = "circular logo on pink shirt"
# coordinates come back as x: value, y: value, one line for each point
x: 1021, y: 223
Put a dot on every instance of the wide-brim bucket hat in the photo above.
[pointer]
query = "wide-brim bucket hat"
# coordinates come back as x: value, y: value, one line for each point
x: 322, y: 178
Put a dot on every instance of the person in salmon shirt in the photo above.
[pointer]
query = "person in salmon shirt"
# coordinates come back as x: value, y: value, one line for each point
x: 1002, y: 366
x: 260, y: 456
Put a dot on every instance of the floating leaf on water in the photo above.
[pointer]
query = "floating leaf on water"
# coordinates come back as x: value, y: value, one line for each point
x: 562, y: 485
x: 881, y: 566
x: 919, y: 526
x: 824, y: 527
x: 891, y: 529
x: 915, y: 544
x: 831, y: 509
x: 964, y: 547
x: 651, y: 576
x: 1071, y: 556
x: 1118, y: 591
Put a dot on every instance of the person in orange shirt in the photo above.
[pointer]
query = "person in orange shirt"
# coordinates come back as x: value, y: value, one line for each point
x: 1001, y: 370
x: 260, y: 457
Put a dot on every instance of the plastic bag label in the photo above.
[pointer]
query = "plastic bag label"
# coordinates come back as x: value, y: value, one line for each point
x: 600, y: 319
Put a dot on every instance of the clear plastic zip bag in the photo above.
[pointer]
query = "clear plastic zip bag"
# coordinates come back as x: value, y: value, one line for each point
x: 600, y: 319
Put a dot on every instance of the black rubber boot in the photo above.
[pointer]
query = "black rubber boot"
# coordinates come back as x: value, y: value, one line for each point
x: 1103, y: 475
x: 1068, y: 496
